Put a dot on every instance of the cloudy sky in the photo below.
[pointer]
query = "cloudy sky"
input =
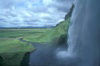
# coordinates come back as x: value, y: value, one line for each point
x: 21, y: 13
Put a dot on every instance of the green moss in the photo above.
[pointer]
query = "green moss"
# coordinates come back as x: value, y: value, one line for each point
x: 12, y: 59
x: 12, y: 51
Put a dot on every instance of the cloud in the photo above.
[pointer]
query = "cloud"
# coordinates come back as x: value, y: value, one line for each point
x: 19, y: 13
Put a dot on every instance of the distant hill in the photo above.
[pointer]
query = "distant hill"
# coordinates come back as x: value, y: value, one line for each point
x: 26, y: 27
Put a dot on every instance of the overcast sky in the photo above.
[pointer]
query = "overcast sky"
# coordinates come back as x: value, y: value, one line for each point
x: 19, y: 13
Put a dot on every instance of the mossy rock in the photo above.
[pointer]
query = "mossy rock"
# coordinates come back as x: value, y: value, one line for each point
x: 59, y: 41
x: 1, y: 61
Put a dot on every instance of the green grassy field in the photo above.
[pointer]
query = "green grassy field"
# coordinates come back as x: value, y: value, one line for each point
x: 50, y: 34
x: 36, y: 35
x: 12, y: 49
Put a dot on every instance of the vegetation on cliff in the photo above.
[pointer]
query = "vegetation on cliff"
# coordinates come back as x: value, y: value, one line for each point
x: 12, y: 49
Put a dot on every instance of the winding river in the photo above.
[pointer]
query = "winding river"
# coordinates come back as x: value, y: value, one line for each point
x: 48, y: 55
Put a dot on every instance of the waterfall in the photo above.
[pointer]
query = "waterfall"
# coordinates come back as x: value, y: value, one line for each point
x: 84, y: 32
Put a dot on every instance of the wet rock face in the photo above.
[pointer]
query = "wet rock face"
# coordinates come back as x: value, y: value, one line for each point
x: 84, y: 32
x: 1, y: 61
x: 25, y: 61
x: 69, y: 14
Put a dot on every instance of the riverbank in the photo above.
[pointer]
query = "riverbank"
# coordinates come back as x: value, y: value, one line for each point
x: 12, y: 50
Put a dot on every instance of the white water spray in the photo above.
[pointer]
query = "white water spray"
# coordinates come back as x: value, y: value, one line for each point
x: 84, y: 32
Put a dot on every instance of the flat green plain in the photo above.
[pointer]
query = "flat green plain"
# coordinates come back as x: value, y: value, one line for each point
x: 12, y: 49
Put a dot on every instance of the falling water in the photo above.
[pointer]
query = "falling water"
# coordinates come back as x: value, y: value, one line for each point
x: 84, y: 32
x: 83, y: 40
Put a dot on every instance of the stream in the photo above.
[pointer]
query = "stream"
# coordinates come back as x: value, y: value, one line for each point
x: 83, y: 40
x: 48, y: 55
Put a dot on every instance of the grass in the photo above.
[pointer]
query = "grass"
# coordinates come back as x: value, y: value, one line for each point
x: 13, y: 45
x: 13, y: 50
x: 41, y: 35
x: 49, y: 34
x: 12, y: 59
